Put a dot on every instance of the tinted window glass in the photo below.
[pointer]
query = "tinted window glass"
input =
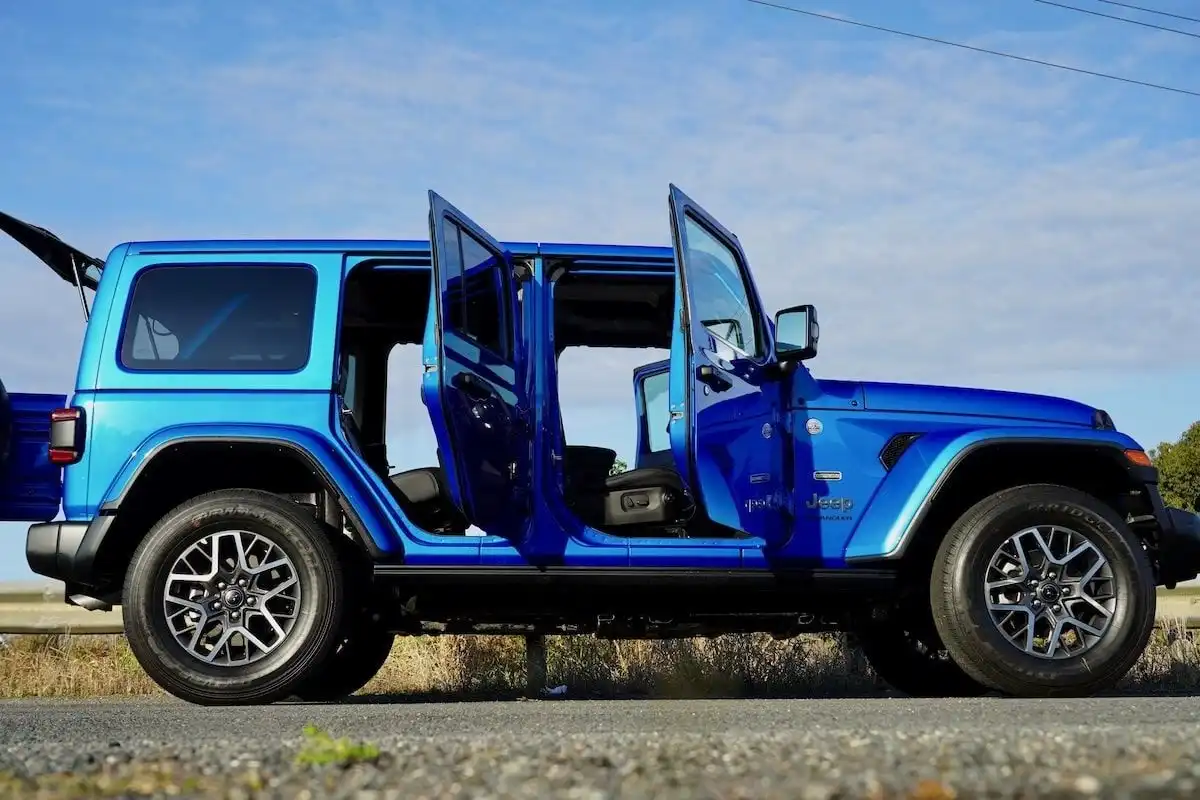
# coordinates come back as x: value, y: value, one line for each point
x: 451, y: 264
x: 220, y: 319
x: 475, y: 287
x: 719, y: 293
x: 656, y: 388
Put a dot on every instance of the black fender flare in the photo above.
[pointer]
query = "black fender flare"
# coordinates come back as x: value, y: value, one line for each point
x: 82, y: 565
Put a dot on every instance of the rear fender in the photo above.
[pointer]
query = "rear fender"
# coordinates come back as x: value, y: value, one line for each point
x: 908, y: 491
x: 336, y: 469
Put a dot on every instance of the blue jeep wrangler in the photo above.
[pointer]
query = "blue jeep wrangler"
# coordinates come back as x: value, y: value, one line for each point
x: 222, y: 472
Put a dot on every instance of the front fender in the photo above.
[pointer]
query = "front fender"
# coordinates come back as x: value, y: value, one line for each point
x: 905, y: 495
x: 339, y: 472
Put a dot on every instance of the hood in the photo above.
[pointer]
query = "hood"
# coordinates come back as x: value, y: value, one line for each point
x: 917, y: 399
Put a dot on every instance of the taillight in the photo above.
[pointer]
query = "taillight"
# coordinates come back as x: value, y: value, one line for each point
x: 66, y: 435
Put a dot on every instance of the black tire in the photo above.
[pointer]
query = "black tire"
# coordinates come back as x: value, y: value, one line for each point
x: 319, y: 612
x: 960, y: 606
x: 357, y: 659
x: 913, y: 660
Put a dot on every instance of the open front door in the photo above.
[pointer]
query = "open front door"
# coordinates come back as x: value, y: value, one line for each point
x: 726, y: 404
x: 474, y: 384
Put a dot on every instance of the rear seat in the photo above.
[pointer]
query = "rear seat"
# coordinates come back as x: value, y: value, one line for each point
x: 425, y: 497
x: 423, y: 493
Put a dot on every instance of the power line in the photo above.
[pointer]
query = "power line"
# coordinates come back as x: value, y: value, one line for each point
x: 984, y: 50
x: 1150, y: 10
x: 1118, y: 19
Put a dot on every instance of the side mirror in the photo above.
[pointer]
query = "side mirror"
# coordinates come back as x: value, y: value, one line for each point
x: 796, y: 333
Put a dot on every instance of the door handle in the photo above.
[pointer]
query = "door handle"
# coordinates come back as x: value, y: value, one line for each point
x: 471, y: 386
x: 709, y: 376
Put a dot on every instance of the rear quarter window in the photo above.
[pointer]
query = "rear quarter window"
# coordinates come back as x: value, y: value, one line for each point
x: 220, y: 319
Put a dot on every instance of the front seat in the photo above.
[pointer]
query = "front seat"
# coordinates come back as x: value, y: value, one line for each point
x: 586, y: 468
x: 646, y: 496
x: 650, y: 495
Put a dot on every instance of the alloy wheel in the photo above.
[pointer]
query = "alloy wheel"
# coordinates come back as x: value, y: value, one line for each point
x: 232, y: 598
x: 1051, y: 592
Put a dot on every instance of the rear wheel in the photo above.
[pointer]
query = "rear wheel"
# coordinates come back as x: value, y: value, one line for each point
x: 233, y: 598
x: 358, y: 658
x: 1043, y: 591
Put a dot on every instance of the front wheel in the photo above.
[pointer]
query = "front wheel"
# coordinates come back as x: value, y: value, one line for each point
x: 233, y: 598
x: 1043, y: 591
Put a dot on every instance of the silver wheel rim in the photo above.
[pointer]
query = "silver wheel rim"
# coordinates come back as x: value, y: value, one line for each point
x: 1050, y: 592
x: 232, y: 598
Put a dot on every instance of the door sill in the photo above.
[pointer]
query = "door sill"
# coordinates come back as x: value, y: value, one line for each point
x: 849, y: 578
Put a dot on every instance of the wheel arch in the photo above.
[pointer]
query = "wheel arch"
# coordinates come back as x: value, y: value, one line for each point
x: 177, y: 468
x: 987, y: 464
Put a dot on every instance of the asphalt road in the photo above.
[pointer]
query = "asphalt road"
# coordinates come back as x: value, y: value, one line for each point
x: 1115, y: 746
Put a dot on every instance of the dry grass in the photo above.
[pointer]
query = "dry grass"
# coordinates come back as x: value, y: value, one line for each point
x: 727, y: 666
x: 492, y: 666
x: 71, y: 666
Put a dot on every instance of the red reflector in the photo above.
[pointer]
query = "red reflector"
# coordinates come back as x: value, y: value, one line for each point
x: 64, y: 415
x: 60, y: 455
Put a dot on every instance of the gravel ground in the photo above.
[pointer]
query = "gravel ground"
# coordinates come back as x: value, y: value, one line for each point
x: 1111, y: 747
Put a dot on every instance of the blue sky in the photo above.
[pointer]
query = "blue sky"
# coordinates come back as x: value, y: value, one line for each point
x: 959, y: 219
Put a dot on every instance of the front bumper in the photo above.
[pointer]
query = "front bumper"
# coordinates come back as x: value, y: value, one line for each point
x: 1179, y: 547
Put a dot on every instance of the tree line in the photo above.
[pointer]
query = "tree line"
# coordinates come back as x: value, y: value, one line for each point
x: 1178, y: 465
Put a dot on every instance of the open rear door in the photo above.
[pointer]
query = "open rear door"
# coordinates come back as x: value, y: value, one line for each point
x: 726, y: 404
x: 30, y: 484
x: 474, y: 383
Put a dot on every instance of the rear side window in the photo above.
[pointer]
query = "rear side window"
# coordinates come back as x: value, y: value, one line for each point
x: 220, y: 319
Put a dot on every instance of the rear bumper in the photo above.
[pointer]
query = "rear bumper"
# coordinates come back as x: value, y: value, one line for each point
x: 51, y: 547
x: 65, y: 550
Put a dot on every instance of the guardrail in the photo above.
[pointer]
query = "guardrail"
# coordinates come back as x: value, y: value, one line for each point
x: 32, y: 609
x: 42, y: 609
